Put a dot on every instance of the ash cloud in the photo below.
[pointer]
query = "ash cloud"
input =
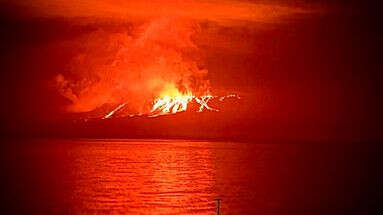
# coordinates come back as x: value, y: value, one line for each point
x: 134, y: 67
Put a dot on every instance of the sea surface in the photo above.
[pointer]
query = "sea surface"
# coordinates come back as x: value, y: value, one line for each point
x: 181, y: 177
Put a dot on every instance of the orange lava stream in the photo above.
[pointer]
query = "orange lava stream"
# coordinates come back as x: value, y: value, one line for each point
x: 175, y: 104
x: 113, y: 111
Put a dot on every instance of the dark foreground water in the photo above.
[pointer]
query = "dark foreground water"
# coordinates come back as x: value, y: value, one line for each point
x: 182, y: 177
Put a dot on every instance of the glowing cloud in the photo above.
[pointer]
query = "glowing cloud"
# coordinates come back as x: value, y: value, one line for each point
x: 154, y: 60
x: 224, y: 11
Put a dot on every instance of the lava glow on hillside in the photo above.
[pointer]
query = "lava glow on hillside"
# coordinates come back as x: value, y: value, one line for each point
x: 174, y: 104
x: 152, y: 70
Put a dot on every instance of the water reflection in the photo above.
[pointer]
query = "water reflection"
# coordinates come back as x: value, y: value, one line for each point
x: 179, y: 177
x: 144, y: 177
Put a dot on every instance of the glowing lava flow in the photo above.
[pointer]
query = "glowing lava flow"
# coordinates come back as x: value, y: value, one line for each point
x: 113, y: 111
x: 168, y: 104
x: 172, y: 105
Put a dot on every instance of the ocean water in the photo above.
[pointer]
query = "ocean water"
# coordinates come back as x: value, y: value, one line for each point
x: 180, y: 177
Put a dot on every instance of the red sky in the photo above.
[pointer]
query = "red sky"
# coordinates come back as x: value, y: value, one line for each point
x: 216, y: 11
x: 303, y: 69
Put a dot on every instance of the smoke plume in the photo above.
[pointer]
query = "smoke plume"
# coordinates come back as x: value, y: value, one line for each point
x: 134, y: 67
